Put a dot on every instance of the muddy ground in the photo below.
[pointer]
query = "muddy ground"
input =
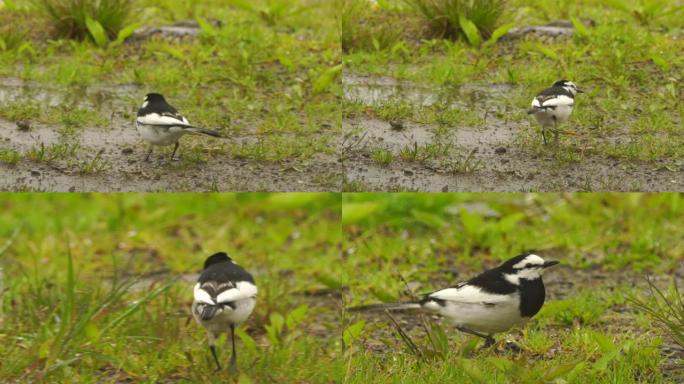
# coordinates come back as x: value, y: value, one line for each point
x: 120, y: 153
x: 561, y: 283
x: 499, y: 157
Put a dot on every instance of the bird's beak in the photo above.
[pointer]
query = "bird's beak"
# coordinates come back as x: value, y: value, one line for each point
x: 550, y: 263
x: 579, y: 90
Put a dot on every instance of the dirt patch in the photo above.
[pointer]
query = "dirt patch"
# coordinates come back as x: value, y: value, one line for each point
x: 495, y: 155
x: 112, y: 158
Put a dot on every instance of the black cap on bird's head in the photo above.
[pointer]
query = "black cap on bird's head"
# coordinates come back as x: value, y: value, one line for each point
x: 569, y: 85
x: 219, y: 257
x: 153, y: 97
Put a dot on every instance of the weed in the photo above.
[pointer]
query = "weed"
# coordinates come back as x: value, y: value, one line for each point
x: 9, y: 156
x: 82, y: 18
x: 383, y: 157
x: 665, y: 307
x: 451, y: 18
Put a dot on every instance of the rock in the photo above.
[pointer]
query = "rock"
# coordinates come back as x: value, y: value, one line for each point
x: 181, y: 29
x: 500, y: 150
x: 397, y: 125
x: 558, y: 28
x: 23, y: 125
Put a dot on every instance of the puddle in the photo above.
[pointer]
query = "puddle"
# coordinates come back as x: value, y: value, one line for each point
x: 88, y: 97
x: 381, y: 90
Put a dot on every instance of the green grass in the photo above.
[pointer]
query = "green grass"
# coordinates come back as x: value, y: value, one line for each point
x: 592, y: 333
x: 105, y: 286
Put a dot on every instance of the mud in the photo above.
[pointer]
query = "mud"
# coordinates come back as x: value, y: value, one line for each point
x: 498, y: 154
x: 118, y: 153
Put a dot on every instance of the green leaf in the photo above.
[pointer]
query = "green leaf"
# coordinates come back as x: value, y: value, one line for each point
x: 548, y: 52
x: 498, y: 33
x: 293, y: 200
x: 355, y: 212
x: 92, y: 332
x: 326, y: 79
x: 296, y: 316
x: 429, y: 219
x: 125, y: 33
x: 207, y: 28
x: 580, y: 28
x: 96, y: 32
x: 470, y: 31
x: 472, y: 222
x: 352, y: 332
x: 247, y: 340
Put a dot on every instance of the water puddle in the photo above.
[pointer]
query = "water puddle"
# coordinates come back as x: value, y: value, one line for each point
x: 372, y: 91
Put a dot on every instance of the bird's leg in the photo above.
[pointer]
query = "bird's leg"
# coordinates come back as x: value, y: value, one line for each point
x: 175, y: 148
x: 147, y: 158
x: 544, y: 134
x: 489, y: 340
x: 233, y: 357
x: 212, y: 347
x: 555, y: 131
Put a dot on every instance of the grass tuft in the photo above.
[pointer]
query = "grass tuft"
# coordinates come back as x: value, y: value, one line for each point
x: 80, y: 18
x: 454, y: 18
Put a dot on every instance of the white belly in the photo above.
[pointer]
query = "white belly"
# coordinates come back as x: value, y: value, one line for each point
x: 478, y: 317
x: 561, y: 114
x: 222, y: 321
x: 157, y: 135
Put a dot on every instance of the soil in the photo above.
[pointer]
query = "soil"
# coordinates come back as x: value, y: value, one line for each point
x: 122, y: 153
x: 500, y: 159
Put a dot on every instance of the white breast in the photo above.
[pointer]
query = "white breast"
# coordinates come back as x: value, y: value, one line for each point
x: 159, y: 135
x: 475, y: 310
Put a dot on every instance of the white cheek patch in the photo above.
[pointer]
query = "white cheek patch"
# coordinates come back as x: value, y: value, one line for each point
x: 243, y: 290
x: 202, y: 296
x: 145, y: 103
x: 527, y: 274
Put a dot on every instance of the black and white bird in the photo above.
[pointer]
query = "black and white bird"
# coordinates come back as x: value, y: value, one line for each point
x: 160, y: 124
x: 491, y: 302
x: 554, y: 105
x: 224, y: 297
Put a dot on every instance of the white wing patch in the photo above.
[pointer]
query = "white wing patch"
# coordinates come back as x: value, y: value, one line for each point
x: 156, y: 119
x: 202, y: 296
x: 555, y: 101
x: 467, y: 294
x: 243, y: 290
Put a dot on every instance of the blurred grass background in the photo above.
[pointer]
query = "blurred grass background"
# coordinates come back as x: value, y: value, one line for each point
x: 97, y: 287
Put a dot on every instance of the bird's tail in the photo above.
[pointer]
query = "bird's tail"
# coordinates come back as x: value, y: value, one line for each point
x: 386, y: 306
x: 203, y: 131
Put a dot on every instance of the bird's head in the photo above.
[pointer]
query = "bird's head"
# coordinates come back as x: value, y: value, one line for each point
x: 568, y: 86
x: 527, y: 266
x: 220, y: 257
x: 152, y: 98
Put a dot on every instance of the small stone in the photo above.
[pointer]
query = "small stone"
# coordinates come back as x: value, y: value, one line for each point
x: 445, y: 188
x: 35, y: 173
x: 127, y: 151
x: 23, y: 125
x: 500, y: 150
x: 408, y: 173
x: 72, y: 189
x: 397, y: 125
